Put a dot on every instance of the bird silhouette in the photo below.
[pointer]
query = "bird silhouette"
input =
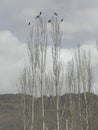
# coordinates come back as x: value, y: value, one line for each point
x: 49, y: 20
x: 29, y: 23
x: 37, y: 16
x: 55, y: 14
x: 40, y: 13
x: 62, y: 20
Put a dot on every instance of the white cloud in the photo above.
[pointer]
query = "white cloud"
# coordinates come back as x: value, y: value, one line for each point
x: 67, y: 54
x: 90, y: 46
x: 12, y: 53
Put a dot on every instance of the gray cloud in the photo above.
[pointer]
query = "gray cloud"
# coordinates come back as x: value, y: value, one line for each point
x: 79, y: 16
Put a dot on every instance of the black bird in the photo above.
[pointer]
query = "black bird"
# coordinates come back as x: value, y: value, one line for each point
x: 40, y: 13
x: 49, y: 20
x: 37, y: 16
x: 29, y: 23
x: 61, y: 20
x: 55, y: 14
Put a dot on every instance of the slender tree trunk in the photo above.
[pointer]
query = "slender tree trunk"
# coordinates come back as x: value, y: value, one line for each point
x: 42, y: 104
x: 24, y: 112
x: 58, y: 119
x: 32, y: 111
x: 67, y: 125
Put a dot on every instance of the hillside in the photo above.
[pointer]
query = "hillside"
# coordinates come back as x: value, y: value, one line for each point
x: 11, y: 111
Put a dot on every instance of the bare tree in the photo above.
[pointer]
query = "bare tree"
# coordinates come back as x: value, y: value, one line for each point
x: 23, y: 83
x: 42, y: 42
x: 33, y: 55
x: 85, y: 73
x: 56, y: 37
x: 79, y: 80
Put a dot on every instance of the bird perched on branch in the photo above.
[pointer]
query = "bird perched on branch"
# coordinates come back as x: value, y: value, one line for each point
x: 29, y: 23
x: 62, y: 20
x: 38, y: 15
x: 49, y: 20
x: 55, y: 14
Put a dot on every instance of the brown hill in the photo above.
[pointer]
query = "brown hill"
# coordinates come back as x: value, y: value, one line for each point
x: 11, y: 112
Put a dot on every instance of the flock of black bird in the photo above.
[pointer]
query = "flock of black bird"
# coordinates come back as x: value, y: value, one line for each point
x: 48, y: 20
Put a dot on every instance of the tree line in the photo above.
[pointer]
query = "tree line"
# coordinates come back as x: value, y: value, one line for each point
x: 75, y: 77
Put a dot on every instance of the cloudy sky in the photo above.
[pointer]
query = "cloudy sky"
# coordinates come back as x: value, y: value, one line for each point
x: 80, y: 26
